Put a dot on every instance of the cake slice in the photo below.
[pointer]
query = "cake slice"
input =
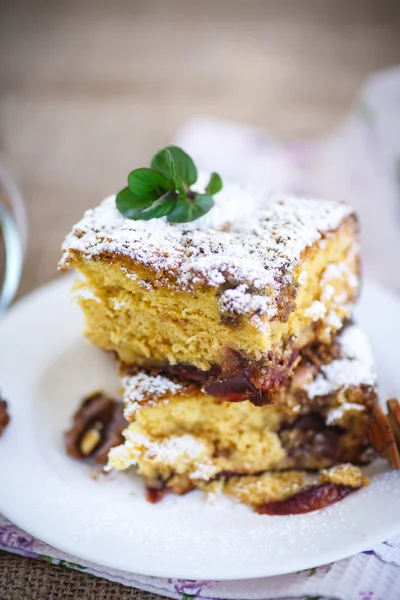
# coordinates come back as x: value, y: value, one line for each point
x: 180, y: 437
x: 228, y: 300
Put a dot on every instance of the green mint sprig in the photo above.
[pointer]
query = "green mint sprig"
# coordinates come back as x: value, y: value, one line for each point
x: 164, y: 190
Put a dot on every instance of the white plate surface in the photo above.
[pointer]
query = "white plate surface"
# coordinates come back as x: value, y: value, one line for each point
x: 46, y: 368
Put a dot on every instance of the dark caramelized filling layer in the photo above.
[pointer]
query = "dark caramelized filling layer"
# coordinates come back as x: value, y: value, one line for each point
x: 316, y: 497
x: 239, y: 379
x: 312, y: 438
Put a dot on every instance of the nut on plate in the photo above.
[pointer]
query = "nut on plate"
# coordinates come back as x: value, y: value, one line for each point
x: 384, y: 432
x: 97, y: 427
x: 91, y: 439
x: 4, y: 416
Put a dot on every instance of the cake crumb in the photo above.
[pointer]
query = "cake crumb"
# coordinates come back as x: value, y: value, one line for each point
x: 345, y: 474
x: 268, y: 487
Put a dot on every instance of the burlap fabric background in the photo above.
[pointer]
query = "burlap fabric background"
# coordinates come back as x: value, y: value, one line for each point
x: 90, y: 89
x: 28, y: 579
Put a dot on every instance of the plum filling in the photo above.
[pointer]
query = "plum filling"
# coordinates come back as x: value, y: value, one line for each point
x: 191, y: 373
x: 237, y: 388
x: 239, y: 379
x: 155, y: 494
x: 310, y: 436
x: 314, y: 498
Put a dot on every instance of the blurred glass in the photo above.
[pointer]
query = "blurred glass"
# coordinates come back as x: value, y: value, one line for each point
x: 13, y: 237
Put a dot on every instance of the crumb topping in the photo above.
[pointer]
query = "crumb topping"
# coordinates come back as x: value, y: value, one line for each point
x: 249, y: 243
x: 354, y: 368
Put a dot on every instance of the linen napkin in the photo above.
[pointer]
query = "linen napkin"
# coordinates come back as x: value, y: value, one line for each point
x: 371, y: 575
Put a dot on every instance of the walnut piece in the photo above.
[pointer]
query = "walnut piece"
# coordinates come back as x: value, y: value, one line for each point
x: 393, y: 406
x: 91, y: 439
x: 97, y: 427
x: 4, y: 416
x: 384, y: 432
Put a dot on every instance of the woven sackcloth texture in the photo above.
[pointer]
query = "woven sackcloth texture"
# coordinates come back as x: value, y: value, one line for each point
x: 29, y: 579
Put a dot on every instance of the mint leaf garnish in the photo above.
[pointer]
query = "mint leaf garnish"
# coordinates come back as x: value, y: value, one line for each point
x: 128, y: 204
x: 164, y: 190
x: 187, y: 210
x: 160, y: 208
x: 214, y: 185
x: 179, y: 184
x: 184, y: 164
x: 148, y: 184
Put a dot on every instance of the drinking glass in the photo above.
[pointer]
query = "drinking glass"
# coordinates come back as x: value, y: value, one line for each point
x: 13, y: 236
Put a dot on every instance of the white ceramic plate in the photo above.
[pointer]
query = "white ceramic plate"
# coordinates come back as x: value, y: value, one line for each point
x: 46, y: 368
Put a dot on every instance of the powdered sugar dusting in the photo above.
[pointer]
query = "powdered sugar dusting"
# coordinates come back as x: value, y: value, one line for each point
x: 355, y: 367
x: 317, y: 310
x: 250, y: 242
x: 142, y: 387
x: 335, y: 415
x: 241, y: 300
x: 339, y: 271
x: 169, y: 450
x: 186, y: 450
x: 129, y: 274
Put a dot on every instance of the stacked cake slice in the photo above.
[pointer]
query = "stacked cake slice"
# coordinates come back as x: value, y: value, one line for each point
x: 233, y: 338
x: 180, y: 437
